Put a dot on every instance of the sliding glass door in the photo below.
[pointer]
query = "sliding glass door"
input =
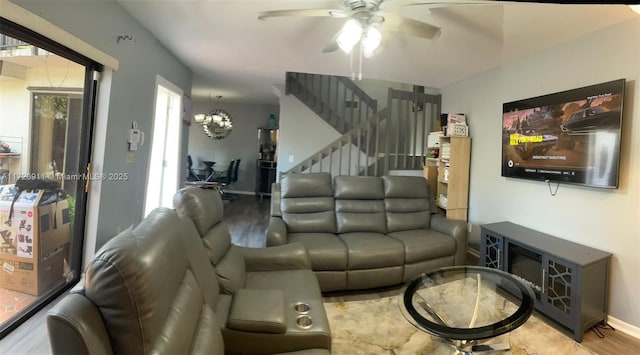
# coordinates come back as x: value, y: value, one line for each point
x: 47, y: 99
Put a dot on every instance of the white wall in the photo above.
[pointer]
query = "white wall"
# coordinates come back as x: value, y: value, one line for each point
x: 242, y: 143
x: 605, y: 219
x: 302, y: 132
x: 126, y: 94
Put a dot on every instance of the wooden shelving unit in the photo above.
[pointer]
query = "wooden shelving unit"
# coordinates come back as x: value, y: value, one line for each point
x: 452, y: 192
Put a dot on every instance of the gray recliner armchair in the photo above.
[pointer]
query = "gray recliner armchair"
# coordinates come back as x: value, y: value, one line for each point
x: 142, y: 294
x: 260, y: 287
x: 153, y: 289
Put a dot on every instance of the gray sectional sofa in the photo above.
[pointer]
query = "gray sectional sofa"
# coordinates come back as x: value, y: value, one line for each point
x: 174, y: 284
x: 364, y: 232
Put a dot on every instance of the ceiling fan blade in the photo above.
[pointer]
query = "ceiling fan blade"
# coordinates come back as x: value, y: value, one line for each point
x: 304, y: 13
x: 332, y: 45
x: 410, y: 27
x: 450, y: 3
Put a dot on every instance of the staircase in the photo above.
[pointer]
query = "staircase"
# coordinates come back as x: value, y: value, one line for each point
x: 336, y: 99
x: 373, y: 142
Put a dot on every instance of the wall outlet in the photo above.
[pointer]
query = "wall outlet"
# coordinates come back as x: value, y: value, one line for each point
x: 469, y: 227
x: 130, y: 157
x: 290, y: 158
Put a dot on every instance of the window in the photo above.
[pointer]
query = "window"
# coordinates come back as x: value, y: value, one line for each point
x: 47, y: 95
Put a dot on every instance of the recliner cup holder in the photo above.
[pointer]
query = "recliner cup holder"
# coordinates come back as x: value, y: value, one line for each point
x: 302, y: 308
x: 304, y: 321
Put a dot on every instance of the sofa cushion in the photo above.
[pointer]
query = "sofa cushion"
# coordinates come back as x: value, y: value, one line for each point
x: 425, y: 244
x: 199, y: 206
x: 306, y: 185
x: 318, y: 222
x: 231, y: 271
x: 372, y: 250
x: 403, y: 221
x: 307, y: 203
x: 326, y: 250
x: 359, y: 205
x: 405, y: 187
x: 361, y: 222
x: 358, y: 188
x: 407, y: 203
x: 217, y: 242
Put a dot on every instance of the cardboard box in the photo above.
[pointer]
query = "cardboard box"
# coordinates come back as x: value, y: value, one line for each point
x: 32, y: 241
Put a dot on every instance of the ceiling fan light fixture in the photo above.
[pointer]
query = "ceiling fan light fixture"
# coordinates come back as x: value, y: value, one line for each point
x: 349, y: 35
x: 370, y: 41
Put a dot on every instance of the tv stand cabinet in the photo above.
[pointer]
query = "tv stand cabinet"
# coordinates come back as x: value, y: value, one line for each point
x: 574, y: 279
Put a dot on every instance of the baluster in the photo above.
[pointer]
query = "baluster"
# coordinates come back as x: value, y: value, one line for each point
x: 398, y: 125
x: 320, y: 93
x: 367, y: 148
x: 336, y: 105
x: 329, y: 94
x: 353, y: 111
x: 340, y: 158
x: 349, y: 156
x: 359, y: 150
x: 387, y: 126
x: 331, y: 159
x: 376, y: 147
x: 415, y: 135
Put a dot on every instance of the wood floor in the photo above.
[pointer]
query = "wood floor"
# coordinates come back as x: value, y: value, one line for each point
x: 248, y: 218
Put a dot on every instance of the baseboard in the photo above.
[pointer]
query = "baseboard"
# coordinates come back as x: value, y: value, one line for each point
x: 624, y: 327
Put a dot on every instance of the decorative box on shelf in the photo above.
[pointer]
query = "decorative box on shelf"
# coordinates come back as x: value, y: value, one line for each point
x: 433, y: 139
x: 458, y: 129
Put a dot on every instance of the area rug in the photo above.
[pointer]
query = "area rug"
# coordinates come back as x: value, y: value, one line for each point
x: 377, y: 326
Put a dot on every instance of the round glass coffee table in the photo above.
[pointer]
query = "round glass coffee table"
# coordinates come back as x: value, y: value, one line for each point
x: 465, y: 304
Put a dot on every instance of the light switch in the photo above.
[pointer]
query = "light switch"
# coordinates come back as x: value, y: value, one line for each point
x: 290, y: 158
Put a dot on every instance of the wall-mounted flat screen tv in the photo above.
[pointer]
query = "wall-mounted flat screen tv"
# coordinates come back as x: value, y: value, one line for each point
x: 571, y: 136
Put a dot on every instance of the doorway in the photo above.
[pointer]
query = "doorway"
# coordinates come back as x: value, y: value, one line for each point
x: 164, y: 162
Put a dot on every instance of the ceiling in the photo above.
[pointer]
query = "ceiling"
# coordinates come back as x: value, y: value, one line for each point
x: 233, y: 54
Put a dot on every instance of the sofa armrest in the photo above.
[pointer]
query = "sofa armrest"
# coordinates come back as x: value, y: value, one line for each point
x: 258, y: 311
x: 284, y: 257
x: 456, y: 229
x: 75, y: 327
x: 276, y: 232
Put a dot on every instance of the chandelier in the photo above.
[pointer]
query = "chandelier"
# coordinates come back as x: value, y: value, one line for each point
x: 216, y: 124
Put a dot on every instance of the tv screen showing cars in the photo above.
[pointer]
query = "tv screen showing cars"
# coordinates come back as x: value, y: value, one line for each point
x: 571, y: 136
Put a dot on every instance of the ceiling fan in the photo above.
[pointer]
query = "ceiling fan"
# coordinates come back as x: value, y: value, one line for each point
x: 367, y: 20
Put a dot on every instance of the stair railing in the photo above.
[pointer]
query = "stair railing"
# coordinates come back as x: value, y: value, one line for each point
x: 394, y: 138
x: 350, y: 154
x: 337, y: 99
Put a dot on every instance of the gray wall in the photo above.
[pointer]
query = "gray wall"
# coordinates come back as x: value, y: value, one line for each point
x: 605, y: 219
x: 242, y: 143
x: 130, y: 97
